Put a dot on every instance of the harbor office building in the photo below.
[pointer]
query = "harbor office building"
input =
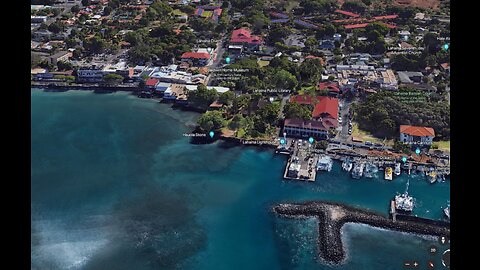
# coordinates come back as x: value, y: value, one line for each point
x: 416, y: 135
x: 295, y: 127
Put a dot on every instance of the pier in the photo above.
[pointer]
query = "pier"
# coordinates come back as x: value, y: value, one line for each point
x: 302, y: 164
x: 332, y: 216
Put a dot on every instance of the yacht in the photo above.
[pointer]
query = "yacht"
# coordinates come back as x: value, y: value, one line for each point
x: 404, y: 202
x: 431, y: 175
x: 347, y: 164
x: 446, y: 211
x: 324, y: 163
x: 370, y: 170
x: 388, y: 173
x: 397, y: 170
x: 357, y: 171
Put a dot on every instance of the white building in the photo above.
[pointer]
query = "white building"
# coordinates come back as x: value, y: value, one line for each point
x: 416, y: 135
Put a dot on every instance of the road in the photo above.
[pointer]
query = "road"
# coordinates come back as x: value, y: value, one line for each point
x: 219, y: 51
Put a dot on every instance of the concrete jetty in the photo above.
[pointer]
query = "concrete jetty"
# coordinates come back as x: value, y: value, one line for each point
x: 332, y: 217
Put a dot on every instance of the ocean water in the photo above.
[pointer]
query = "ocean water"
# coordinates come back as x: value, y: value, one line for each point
x: 116, y: 185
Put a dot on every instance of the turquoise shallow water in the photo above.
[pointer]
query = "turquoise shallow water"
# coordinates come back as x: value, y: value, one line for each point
x: 115, y: 185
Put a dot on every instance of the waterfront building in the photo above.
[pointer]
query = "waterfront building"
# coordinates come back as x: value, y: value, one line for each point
x: 416, y: 135
x: 307, y: 128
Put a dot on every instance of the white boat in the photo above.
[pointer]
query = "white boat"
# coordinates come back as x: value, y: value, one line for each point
x: 347, y: 164
x: 446, y: 211
x: 404, y: 202
x: 357, y: 171
x: 431, y: 175
x: 397, y: 170
x: 370, y: 170
x: 324, y: 163
x: 388, y: 173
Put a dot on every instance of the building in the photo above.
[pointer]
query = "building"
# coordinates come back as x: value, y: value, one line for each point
x: 324, y: 108
x: 197, y: 59
x: 90, y: 75
x: 416, y: 135
x: 327, y: 45
x: 209, y: 12
x: 38, y: 19
x: 244, y: 37
x: 332, y: 88
x: 151, y: 83
x: 60, y: 56
x: 410, y: 76
x: 306, y: 128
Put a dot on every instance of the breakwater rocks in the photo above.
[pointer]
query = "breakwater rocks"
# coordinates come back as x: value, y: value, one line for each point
x: 332, y: 216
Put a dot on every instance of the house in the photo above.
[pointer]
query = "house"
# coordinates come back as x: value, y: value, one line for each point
x: 332, y: 88
x: 151, y: 83
x: 38, y: 19
x: 306, y: 128
x: 197, y: 59
x: 410, y: 76
x: 209, y: 12
x: 162, y: 87
x: 175, y: 91
x: 244, y: 37
x: 60, y: 56
x: 445, y: 67
x: 416, y: 135
x: 327, y: 45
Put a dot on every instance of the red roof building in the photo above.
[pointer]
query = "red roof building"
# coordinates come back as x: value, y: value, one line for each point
x: 347, y: 13
x: 196, y: 55
x: 417, y: 131
x: 151, y: 83
x: 331, y: 87
x: 323, y: 107
x: 322, y: 62
x: 244, y: 36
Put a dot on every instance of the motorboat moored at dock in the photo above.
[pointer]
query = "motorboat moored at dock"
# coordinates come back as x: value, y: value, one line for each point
x: 347, y: 164
x: 370, y: 170
x: 388, y: 173
x: 324, y: 163
x: 397, y: 170
x: 357, y: 171
x: 404, y: 202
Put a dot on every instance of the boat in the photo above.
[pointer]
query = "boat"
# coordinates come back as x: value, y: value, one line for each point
x: 388, y: 173
x: 404, y: 202
x: 324, y: 163
x: 446, y: 211
x: 347, y: 164
x: 370, y: 170
x: 431, y: 175
x: 357, y: 171
x: 397, y: 170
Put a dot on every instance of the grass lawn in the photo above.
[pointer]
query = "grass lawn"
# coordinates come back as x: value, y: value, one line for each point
x: 178, y: 12
x: 443, y: 145
x: 263, y: 63
x: 366, y: 136
x: 207, y: 14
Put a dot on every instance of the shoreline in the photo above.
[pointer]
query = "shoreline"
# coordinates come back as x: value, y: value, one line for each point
x: 332, y: 216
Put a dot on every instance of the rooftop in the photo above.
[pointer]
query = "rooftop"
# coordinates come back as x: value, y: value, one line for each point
x: 417, y: 131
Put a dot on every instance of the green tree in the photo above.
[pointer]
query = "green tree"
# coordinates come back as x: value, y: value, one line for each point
x: 75, y: 9
x: 310, y: 70
x: 202, y: 97
x: 237, y: 122
x: 269, y: 113
x: 112, y: 79
x: 211, y: 120
x: 227, y: 98
x: 284, y: 80
x: 56, y: 27
x: 295, y: 110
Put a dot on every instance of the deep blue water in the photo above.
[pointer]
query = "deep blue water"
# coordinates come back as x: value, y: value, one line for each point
x: 115, y: 185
